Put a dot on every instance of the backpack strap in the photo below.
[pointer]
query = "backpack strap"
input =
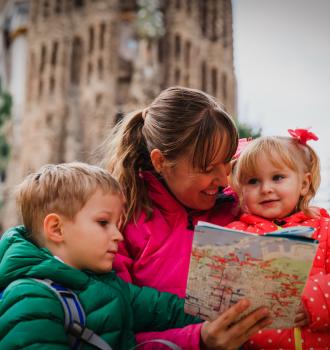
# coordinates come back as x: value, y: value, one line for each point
x: 74, y: 318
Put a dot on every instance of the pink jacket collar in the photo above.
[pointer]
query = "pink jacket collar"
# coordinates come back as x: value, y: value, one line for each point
x: 159, y: 194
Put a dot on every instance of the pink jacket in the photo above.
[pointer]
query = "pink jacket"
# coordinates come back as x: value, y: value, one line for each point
x: 156, y: 253
x: 316, y: 296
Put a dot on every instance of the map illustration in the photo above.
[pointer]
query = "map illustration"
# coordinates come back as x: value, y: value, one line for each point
x: 227, y: 265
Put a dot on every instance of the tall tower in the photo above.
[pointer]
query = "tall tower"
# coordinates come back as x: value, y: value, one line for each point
x: 87, y: 61
x: 197, y: 49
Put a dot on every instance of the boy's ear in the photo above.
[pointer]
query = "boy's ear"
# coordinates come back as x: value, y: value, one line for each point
x: 53, y: 228
x: 306, y: 183
x: 157, y: 160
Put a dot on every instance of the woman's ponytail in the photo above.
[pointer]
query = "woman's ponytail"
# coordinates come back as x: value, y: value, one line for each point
x: 127, y: 154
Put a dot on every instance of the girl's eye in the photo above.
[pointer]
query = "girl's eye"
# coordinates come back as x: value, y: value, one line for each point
x: 103, y: 223
x: 252, y: 181
x: 278, y: 177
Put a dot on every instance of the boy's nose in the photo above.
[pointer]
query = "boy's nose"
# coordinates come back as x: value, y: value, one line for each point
x: 117, y: 235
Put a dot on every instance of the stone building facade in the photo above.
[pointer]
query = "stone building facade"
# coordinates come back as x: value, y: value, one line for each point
x: 86, y: 64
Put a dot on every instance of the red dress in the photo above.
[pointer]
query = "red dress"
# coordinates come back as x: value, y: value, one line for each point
x: 316, y: 295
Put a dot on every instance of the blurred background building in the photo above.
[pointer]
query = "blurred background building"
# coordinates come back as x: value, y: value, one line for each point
x: 73, y: 67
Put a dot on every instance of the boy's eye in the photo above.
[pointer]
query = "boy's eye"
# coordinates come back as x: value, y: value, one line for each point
x: 252, y: 181
x: 103, y: 222
x: 278, y: 177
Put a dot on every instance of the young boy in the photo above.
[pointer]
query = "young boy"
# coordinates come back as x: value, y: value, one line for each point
x: 71, y: 213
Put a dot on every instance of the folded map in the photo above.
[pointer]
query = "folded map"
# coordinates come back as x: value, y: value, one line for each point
x: 227, y: 265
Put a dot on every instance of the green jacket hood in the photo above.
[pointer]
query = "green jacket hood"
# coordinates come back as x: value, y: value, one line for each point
x: 20, y: 258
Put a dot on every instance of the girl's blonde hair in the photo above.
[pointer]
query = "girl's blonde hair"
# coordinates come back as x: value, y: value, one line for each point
x: 280, y: 151
x: 63, y: 189
x: 180, y: 121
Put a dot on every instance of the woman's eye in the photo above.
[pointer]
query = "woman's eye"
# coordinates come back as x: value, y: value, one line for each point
x: 205, y: 171
x: 278, y: 177
x: 252, y: 181
x: 208, y: 170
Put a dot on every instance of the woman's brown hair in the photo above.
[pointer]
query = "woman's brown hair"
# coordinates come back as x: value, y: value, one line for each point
x: 180, y: 121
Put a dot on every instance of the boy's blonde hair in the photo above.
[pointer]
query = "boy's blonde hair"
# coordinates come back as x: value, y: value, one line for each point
x: 280, y: 151
x: 179, y: 122
x: 63, y: 189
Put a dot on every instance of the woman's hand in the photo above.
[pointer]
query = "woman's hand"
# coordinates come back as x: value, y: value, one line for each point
x: 224, y: 334
x: 302, y: 318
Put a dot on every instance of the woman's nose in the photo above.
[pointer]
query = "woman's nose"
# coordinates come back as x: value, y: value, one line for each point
x: 221, y: 175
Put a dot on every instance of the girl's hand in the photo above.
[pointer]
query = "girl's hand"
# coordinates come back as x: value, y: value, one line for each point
x: 302, y: 318
x: 224, y: 334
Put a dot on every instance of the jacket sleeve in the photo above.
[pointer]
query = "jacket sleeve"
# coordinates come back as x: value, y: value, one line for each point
x: 155, y: 311
x: 187, y: 338
x: 316, y: 297
x: 31, y: 318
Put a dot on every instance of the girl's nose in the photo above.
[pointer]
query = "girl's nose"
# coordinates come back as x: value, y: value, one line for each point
x: 266, y: 187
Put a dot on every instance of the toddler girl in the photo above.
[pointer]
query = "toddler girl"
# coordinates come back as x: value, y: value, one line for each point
x: 275, y: 178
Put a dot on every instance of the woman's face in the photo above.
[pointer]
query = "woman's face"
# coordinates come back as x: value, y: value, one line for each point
x: 196, y: 189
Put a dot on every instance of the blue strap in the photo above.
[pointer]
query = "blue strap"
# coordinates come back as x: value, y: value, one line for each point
x: 74, y: 318
x: 78, y: 328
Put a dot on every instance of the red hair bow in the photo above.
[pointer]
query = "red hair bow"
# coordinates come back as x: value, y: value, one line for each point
x: 302, y: 135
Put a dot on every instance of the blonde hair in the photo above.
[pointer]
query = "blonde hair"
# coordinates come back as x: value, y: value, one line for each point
x: 280, y: 151
x: 180, y: 121
x: 63, y: 189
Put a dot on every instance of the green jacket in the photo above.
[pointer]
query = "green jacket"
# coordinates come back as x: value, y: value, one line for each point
x: 31, y: 316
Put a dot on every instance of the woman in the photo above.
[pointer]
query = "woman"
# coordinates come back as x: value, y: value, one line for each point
x: 172, y: 161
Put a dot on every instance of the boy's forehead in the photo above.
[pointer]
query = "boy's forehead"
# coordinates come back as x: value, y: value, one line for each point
x: 105, y: 198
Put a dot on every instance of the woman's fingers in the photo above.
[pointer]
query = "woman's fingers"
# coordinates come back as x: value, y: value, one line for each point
x: 231, y: 315
x: 251, y: 324
x: 224, y: 333
x: 255, y: 327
